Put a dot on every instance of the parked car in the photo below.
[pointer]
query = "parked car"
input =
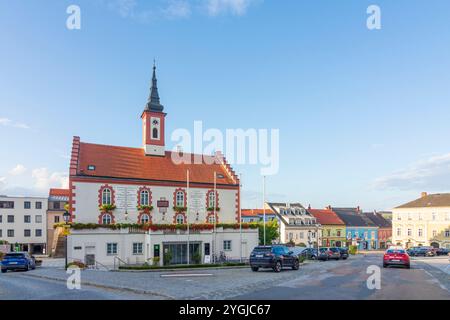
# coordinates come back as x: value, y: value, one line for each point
x: 412, y: 251
x: 329, y: 253
x: 396, y: 257
x: 424, y: 252
x: 310, y: 253
x: 18, y: 261
x: 275, y: 257
x: 344, y: 253
x: 442, y: 251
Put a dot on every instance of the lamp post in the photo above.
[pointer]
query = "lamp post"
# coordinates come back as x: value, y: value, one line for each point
x: 66, y: 217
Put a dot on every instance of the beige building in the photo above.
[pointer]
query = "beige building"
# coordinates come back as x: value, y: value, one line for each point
x: 57, y: 200
x: 423, y: 222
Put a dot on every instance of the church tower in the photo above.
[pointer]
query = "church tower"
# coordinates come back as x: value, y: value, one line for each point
x: 153, y: 119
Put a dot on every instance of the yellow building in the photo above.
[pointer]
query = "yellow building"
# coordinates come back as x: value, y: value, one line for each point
x: 423, y: 222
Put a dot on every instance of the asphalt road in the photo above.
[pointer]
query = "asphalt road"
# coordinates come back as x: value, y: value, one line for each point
x: 317, y: 280
x: 348, y: 281
x: 18, y: 286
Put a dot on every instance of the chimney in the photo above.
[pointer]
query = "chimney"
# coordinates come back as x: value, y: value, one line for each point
x: 309, y: 206
x: 424, y: 194
x: 328, y: 207
x: 358, y: 209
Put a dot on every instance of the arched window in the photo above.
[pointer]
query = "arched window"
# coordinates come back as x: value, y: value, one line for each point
x: 106, y: 219
x: 211, y: 219
x: 180, y: 199
x: 155, y: 133
x: 180, y: 219
x: 212, y: 200
x: 106, y: 196
x: 144, y: 198
x: 145, y: 219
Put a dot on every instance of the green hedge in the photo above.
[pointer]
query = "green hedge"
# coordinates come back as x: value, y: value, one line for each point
x: 352, y: 249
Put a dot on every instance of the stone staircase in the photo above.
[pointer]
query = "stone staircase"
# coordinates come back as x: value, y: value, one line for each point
x: 60, y: 250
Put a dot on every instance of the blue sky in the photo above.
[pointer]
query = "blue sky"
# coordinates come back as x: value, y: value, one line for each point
x: 363, y: 115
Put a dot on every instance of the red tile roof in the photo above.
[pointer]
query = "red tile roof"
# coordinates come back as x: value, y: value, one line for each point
x: 255, y: 212
x: 326, y: 217
x: 132, y: 163
x: 59, y: 192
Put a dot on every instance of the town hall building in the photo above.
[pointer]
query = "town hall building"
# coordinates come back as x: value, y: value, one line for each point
x: 115, y: 185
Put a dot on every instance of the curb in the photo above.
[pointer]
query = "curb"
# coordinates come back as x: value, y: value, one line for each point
x: 180, y: 269
x: 93, y: 284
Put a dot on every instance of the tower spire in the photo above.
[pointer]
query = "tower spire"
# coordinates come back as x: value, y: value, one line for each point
x: 153, y: 103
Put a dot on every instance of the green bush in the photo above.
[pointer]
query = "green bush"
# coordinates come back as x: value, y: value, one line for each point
x: 301, y: 244
x: 78, y: 264
x: 156, y: 261
x: 301, y: 259
x: 1, y: 255
x: 352, y: 249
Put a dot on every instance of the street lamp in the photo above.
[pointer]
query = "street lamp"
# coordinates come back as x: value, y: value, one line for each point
x: 66, y: 217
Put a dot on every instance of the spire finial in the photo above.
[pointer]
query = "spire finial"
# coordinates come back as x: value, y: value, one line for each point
x: 153, y: 102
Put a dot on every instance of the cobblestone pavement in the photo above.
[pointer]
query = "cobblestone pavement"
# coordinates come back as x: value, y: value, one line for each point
x: 315, y: 280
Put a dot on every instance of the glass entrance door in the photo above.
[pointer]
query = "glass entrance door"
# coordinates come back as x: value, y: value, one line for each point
x: 176, y: 253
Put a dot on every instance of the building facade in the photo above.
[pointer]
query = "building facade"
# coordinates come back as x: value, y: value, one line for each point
x: 257, y: 215
x: 57, y: 202
x: 153, y: 186
x: 384, y: 228
x: 423, y: 222
x: 361, y: 231
x: 296, y: 224
x: 333, y: 228
x: 23, y: 223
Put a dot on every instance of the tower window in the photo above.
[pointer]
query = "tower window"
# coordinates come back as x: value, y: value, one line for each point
x: 155, y: 133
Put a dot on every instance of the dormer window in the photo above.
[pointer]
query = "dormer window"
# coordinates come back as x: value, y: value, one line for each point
x: 91, y: 167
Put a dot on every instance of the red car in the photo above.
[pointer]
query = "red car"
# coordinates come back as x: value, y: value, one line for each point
x: 396, y: 257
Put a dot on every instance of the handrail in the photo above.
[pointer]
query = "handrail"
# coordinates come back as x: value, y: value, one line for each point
x: 101, y: 264
x: 120, y: 260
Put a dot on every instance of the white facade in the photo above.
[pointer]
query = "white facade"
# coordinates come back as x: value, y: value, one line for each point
x: 23, y: 221
x: 118, y: 247
x: 421, y: 226
x: 86, y: 203
x: 296, y: 224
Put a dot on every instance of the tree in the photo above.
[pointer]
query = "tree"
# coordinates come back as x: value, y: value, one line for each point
x: 271, y: 232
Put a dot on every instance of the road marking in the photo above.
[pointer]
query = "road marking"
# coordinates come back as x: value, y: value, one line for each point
x: 180, y: 275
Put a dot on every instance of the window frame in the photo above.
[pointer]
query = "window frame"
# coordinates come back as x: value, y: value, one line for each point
x: 139, y: 245
x: 180, y: 199
x: 106, y: 196
x: 227, y: 245
x: 146, y: 197
x: 104, y: 216
x: 114, y: 248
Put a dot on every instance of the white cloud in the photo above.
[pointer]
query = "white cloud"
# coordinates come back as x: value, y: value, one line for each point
x: 145, y: 11
x: 2, y: 183
x: 429, y: 174
x: 125, y: 8
x: 10, y: 123
x: 236, y: 7
x: 177, y: 9
x: 18, y: 170
x: 44, y: 180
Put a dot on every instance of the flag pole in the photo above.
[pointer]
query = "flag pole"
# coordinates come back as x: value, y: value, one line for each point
x: 214, y: 210
x: 240, y: 214
x: 264, y: 210
x: 187, y: 216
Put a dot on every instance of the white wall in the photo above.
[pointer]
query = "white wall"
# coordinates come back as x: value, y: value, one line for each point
x: 99, y: 238
x: 19, y: 225
x: 86, y: 204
